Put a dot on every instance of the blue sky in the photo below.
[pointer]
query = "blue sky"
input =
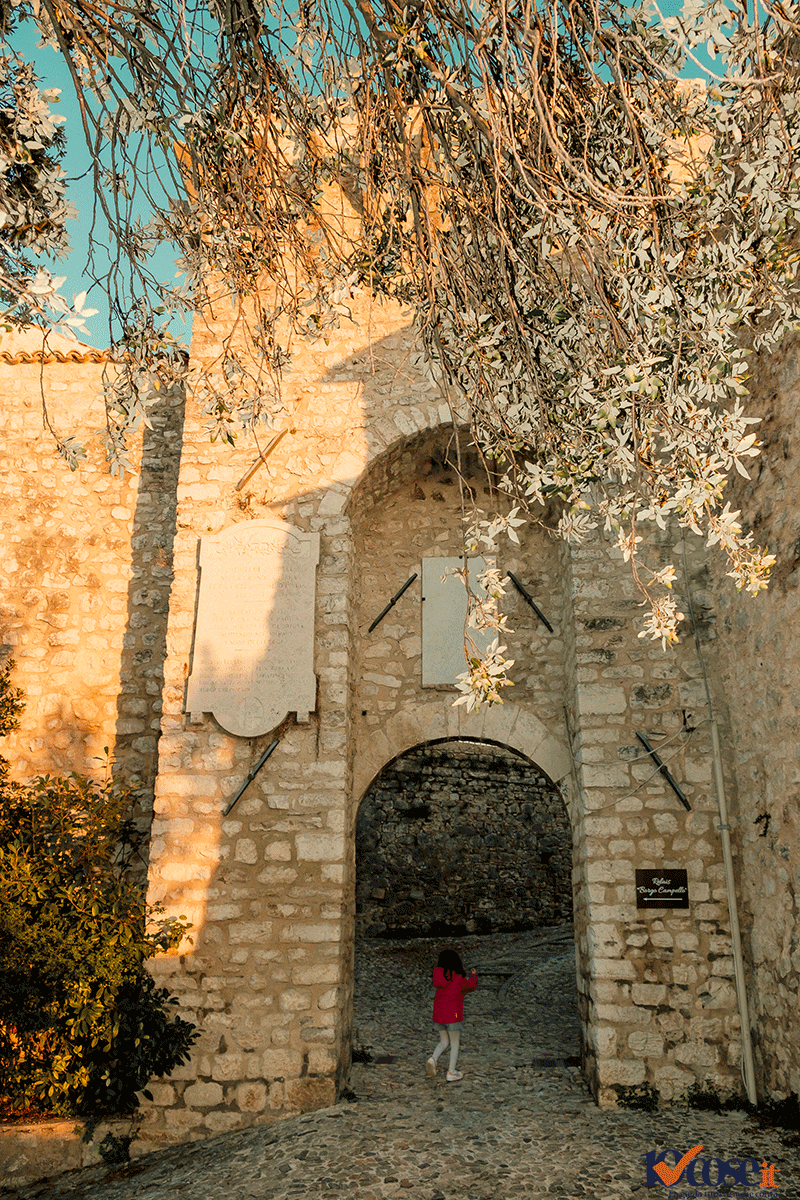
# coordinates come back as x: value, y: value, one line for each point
x: 51, y: 68
x: 78, y: 164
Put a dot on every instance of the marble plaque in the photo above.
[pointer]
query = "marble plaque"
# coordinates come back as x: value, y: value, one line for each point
x: 254, y: 636
x: 444, y: 611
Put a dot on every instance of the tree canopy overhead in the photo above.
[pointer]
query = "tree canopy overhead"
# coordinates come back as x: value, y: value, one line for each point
x: 593, y: 245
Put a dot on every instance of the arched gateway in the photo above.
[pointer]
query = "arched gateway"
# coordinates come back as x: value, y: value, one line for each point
x: 506, y: 724
x: 461, y: 836
x: 332, y: 606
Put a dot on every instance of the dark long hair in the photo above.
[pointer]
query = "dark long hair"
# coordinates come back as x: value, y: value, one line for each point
x: 450, y: 962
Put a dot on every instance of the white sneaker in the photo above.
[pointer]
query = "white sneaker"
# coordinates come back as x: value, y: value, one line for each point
x: 452, y: 1076
x: 430, y: 1067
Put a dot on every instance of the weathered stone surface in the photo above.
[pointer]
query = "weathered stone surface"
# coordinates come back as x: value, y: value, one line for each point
x: 254, y: 635
x: 459, y: 838
x: 85, y: 575
x: 97, y: 620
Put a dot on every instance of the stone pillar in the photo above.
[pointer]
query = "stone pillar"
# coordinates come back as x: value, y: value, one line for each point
x: 264, y: 885
x: 658, y: 995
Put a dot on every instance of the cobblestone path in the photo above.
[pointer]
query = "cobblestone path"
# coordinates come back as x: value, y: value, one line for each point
x: 519, y: 1124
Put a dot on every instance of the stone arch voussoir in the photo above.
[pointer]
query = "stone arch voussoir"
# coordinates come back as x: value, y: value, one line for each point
x: 507, y: 724
x: 408, y: 432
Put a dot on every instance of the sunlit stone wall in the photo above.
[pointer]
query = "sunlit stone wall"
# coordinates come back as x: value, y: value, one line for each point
x: 270, y: 885
x: 85, y: 568
x: 760, y: 667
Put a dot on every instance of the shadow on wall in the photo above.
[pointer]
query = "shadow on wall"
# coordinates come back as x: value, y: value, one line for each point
x: 145, y: 639
x: 65, y: 575
x: 460, y: 837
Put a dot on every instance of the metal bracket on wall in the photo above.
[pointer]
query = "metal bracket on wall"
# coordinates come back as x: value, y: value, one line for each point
x: 663, y: 769
x: 529, y: 600
x: 392, y: 602
x: 270, y: 446
x: 251, y: 777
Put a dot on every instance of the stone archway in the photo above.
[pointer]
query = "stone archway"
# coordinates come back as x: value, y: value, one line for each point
x: 458, y: 837
x: 404, y: 510
x: 437, y: 719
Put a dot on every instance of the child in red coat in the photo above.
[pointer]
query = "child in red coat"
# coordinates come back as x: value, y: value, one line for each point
x: 451, y: 982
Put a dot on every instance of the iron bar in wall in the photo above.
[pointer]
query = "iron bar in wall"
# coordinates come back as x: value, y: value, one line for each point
x: 529, y: 600
x: 663, y: 769
x: 392, y: 602
x: 251, y: 777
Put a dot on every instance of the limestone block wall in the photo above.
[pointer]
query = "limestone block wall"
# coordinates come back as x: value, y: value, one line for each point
x: 85, y: 571
x: 409, y: 509
x: 458, y: 838
x: 760, y: 666
x: 592, y: 683
x: 368, y: 463
x: 657, y: 992
x: 268, y: 977
x: 98, y: 587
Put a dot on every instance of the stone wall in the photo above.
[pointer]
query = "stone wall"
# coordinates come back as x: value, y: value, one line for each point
x: 269, y: 887
x: 592, y: 683
x: 368, y: 463
x: 85, y: 573
x: 458, y: 838
x: 760, y: 667
x: 659, y: 1002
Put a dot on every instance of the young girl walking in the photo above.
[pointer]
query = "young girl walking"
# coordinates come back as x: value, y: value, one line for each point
x: 451, y: 982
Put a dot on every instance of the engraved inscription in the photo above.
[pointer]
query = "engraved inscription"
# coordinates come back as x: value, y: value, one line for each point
x: 254, y: 636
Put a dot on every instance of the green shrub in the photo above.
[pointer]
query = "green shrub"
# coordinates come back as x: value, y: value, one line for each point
x: 640, y: 1096
x: 82, y: 1025
x: 704, y: 1096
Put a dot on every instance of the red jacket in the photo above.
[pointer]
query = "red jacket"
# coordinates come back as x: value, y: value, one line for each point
x: 448, y: 1007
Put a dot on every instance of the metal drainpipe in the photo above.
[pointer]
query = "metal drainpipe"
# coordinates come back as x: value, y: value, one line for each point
x: 748, y: 1066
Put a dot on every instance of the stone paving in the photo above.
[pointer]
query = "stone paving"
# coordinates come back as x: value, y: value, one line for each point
x: 520, y: 1123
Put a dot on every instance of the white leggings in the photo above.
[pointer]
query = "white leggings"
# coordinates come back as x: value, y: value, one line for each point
x: 449, y: 1035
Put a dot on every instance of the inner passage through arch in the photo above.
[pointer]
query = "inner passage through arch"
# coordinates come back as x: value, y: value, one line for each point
x: 461, y: 837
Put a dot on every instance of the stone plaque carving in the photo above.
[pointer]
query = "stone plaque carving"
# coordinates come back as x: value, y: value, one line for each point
x: 254, y: 636
x: 444, y: 611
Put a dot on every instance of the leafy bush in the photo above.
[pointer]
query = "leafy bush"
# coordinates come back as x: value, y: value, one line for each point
x: 705, y: 1097
x: 82, y: 1025
x: 641, y: 1097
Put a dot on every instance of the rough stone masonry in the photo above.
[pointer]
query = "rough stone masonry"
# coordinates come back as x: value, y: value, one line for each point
x: 99, y: 601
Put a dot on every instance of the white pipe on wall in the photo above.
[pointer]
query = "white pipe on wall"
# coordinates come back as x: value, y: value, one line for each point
x: 748, y: 1066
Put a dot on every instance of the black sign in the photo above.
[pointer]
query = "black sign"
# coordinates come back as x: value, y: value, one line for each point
x: 665, y: 887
